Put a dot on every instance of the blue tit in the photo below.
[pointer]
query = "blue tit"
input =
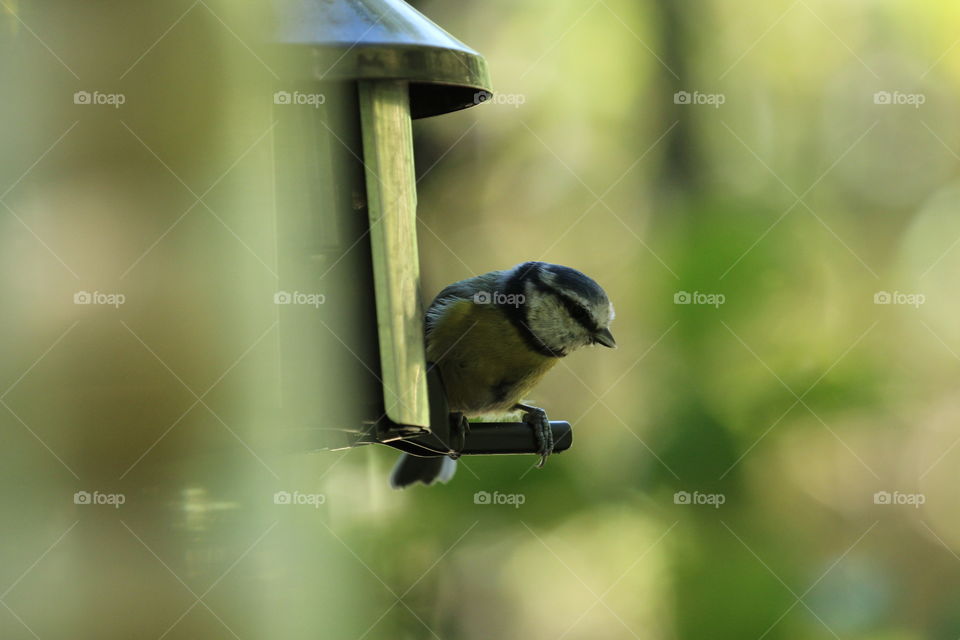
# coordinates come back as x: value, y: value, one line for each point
x: 493, y: 338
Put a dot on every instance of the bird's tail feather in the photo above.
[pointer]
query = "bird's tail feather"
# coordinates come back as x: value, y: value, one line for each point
x: 410, y: 469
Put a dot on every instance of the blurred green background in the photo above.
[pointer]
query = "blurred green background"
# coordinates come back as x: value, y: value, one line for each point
x: 769, y: 193
x: 797, y: 199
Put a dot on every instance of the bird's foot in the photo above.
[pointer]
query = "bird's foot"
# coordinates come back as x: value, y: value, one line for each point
x: 459, y: 428
x: 542, y: 431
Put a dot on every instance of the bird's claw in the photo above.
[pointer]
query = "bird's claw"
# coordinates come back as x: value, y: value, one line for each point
x: 542, y: 431
x: 460, y: 427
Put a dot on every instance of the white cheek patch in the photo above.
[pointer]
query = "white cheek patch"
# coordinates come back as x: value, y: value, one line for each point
x: 603, y: 316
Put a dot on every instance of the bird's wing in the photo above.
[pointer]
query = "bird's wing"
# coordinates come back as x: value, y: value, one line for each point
x: 462, y: 290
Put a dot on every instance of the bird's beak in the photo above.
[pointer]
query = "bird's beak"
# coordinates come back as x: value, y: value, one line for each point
x: 605, y: 338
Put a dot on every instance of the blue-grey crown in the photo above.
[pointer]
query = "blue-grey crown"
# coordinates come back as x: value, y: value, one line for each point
x: 575, y: 281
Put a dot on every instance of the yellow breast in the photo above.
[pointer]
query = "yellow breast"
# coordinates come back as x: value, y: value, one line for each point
x: 485, y: 364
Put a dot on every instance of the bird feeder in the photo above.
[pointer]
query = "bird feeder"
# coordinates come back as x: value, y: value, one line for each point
x: 347, y: 221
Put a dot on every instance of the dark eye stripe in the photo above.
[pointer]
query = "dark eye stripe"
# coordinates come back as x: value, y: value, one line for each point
x: 579, y: 313
x: 576, y: 310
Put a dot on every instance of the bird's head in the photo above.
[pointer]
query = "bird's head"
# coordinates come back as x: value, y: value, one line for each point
x: 562, y: 308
